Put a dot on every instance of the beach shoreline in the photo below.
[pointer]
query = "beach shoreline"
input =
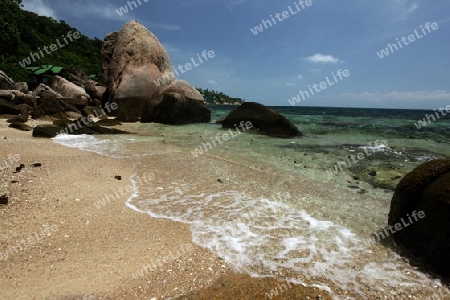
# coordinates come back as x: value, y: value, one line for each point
x: 94, y: 252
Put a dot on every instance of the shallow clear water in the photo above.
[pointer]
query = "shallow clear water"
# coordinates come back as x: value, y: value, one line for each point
x: 269, y: 207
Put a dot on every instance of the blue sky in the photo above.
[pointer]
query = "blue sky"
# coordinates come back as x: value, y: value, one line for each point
x: 303, y: 49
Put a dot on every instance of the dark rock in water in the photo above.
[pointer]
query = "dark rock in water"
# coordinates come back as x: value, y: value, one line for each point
x: 263, y: 118
x: 21, y: 126
x: 4, y: 200
x: 421, y: 205
x: 109, y: 122
x: 373, y: 173
x: 176, y: 109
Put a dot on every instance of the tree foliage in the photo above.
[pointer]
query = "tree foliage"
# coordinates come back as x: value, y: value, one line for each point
x: 26, y: 32
x: 215, y: 97
x: 9, y: 25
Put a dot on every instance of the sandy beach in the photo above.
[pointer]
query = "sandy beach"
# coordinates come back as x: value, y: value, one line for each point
x: 56, y: 244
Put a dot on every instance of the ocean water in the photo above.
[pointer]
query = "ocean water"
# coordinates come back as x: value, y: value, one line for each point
x: 285, y: 208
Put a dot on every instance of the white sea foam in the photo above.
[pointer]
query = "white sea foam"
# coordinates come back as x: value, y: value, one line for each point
x: 105, y: 147
x: 262, y: 236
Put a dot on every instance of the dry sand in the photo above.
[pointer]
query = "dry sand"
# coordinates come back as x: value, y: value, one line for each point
x: 90, y: 253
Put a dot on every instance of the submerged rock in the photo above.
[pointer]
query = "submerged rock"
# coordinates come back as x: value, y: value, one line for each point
x: 420, y: 214
x: 263, y: 118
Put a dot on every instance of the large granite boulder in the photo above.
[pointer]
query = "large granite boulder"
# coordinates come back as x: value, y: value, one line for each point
x: 176, y: 109
x: 264, y: 119
x: 420, y: 208
x: 132, y: 62
x: 67, y: 88
x: 180, y: 103
x: 185, y: 89
x: 6, y: 83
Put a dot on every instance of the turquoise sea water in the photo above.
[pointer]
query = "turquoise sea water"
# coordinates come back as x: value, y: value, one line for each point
x: 272, y: 207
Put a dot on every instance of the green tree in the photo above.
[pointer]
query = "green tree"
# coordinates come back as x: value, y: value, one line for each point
x: 214, y: 97
x: 9, y: 26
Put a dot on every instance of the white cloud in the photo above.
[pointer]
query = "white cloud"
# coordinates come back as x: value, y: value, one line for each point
x: 401, y: 96
x: 300, y: 76
x: 290, y: 84
x: 403, y: 8
x: 153, y: 25
x: 212, y: 82
x: 40, y: 7
x: 320, y: 58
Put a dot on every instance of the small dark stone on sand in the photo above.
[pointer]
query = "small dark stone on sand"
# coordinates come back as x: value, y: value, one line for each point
x: 3, y: 200
x: 36, y: 165
x: 22, y: 166
x: 18, y: 169
x: 14, y: 181
x: 118, y: 177
x: 219, y: 180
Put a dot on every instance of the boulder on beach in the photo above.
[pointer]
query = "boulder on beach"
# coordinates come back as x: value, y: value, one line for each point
x: 21, y: 86
x: 140, y: 79
x: 133, y: 61
x: 179, y: 104
x: 67, y: 88
x: 185, y: 89
x: 8, y: 108
x: 44, y: 91
x: 263, y: 118
x: 420, y: 208
x: 176, y: 109
x: 80, y: 126
x: 20, y: 126
x: 6, y: 83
